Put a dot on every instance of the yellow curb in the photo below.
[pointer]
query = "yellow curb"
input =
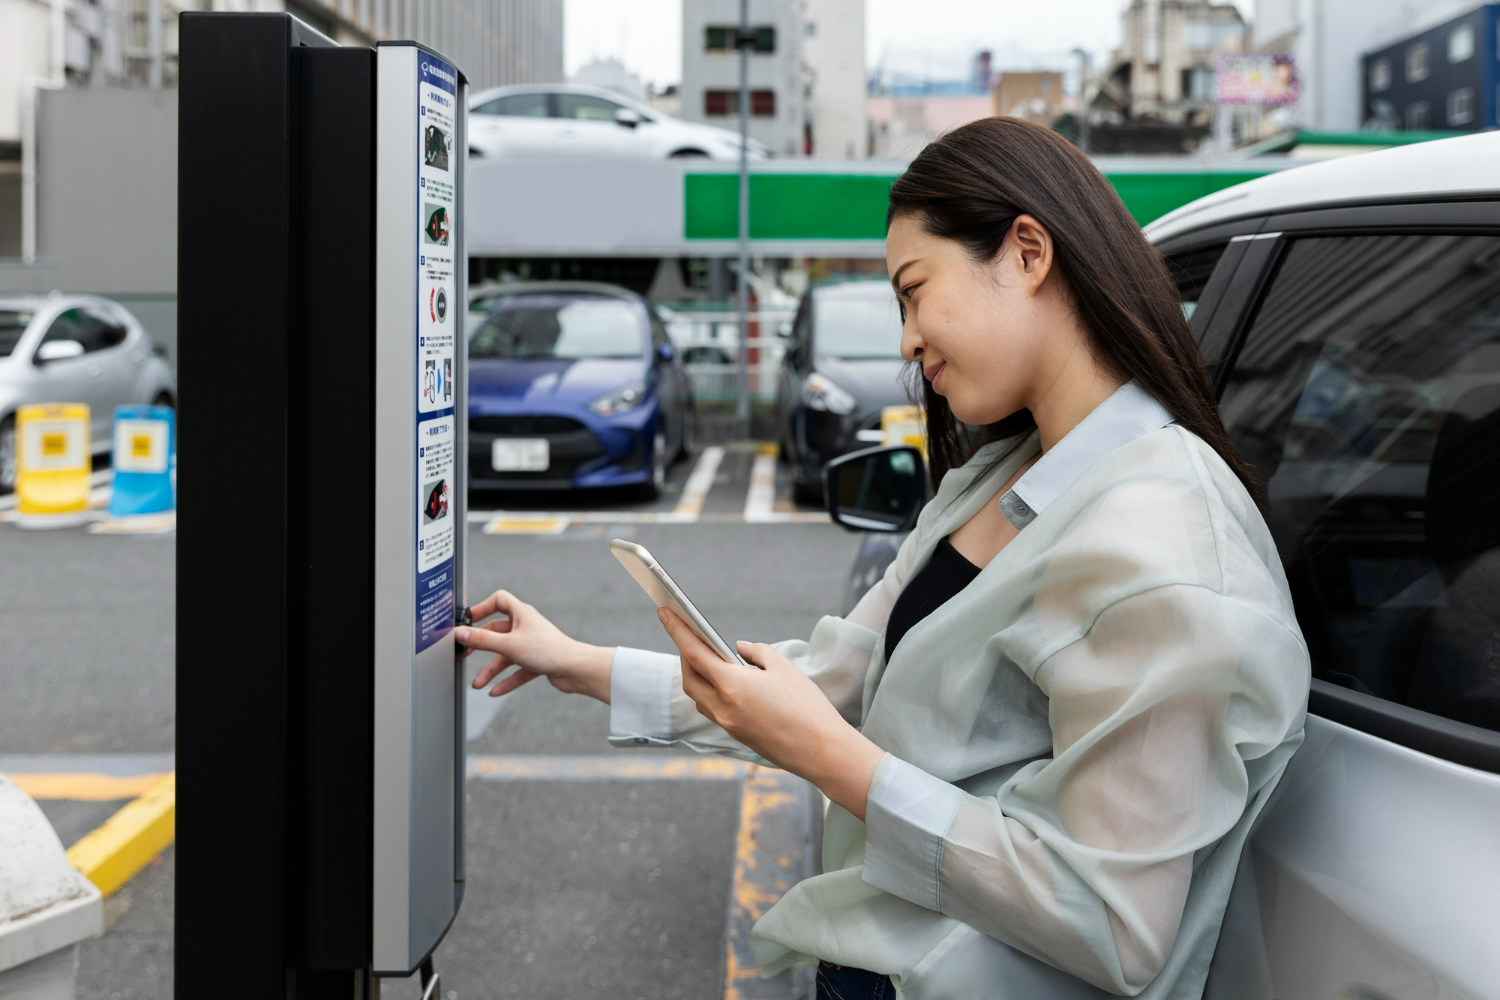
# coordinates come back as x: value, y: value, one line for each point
x: 86, y: 787
x: 129, y: 839
x: 767, y: 448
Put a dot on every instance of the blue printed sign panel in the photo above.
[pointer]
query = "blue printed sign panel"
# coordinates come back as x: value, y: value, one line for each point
x: 144, y: 457
x: 434, y: 341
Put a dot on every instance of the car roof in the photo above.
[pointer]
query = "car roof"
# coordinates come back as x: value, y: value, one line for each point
x: 485, y: 96
x: 555, y: 288
x: 1444, y: 169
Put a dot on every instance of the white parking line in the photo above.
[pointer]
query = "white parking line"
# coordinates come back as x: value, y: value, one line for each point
x: 695, y: 491
x: 760, y: 501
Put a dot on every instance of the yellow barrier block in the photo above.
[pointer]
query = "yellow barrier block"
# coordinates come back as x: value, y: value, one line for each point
x: 53, y: 456
x: 903, y: 425
x: 129, y: 839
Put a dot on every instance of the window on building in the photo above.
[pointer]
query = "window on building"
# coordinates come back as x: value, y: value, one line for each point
x: 1418, y: 116
x: 1461, y: 43
x: 1198, y: 83
x: 1416, y: 62
x: 720, y: 38
x: 1461, y: 106
x: 1212, y: 36
x: 727, y: 102
x: 1380, y: 75
x: 1366, y: 400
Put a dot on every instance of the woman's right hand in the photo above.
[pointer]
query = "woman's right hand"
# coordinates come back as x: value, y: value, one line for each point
x: 525, y: 638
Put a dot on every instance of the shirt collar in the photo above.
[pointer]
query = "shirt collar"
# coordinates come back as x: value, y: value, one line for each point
x: 1127, y: 414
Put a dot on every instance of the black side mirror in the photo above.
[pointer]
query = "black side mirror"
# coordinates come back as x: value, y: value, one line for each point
x: 878, y: 489
x: 666, y: 352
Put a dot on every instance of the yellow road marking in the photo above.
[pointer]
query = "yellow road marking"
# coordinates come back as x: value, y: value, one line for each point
x: 603, y: 767
x: 520, y: 524
x: 129, y: 839
x: 86, y: 787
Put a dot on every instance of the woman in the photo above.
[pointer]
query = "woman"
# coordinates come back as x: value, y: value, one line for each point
x: 1046, y: 732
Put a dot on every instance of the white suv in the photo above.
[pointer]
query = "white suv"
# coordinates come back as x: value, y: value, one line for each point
x: 568, y: 120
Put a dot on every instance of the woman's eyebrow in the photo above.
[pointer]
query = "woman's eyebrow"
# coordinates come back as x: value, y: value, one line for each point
x: 896, y: 278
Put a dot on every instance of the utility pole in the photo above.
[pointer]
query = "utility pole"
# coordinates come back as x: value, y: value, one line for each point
x: 1085, y: 72
x: 744, y: 41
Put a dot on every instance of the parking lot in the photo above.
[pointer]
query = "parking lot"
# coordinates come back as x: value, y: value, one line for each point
x: 589, y: 868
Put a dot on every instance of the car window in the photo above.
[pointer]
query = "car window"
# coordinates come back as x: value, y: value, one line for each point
x: 586, y: 107
x: 556, y: 326
x: 856, y: 321
x: 1191, y: 271
x: 13, y: 323
x: 516, y: 106
x: 1366, y: 398
x: 93, y: 331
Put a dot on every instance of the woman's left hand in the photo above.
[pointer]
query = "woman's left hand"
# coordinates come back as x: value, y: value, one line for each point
x: 779, y: 713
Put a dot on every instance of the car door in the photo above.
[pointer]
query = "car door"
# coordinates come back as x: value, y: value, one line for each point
x: 95, y: 377
x: 666, y: 370
x: 588, y: 127
x: 515, y: 126
x: 1364, y: 392
x: 789, y: 384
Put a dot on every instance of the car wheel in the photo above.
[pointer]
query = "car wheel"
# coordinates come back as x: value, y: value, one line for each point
x: 162, y: 399
x: 7, y: 454
x: 688, y: 154
x: 653, y: 487
x: 807, y: 493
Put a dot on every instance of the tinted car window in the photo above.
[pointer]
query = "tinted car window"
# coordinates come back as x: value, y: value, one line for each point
x: 516, y: 106
x: 91, y: 330
x: 856, y: 321
x: 1367, y: 400
x: 586, y: 107
x: 1191, y: 271
x: 555, y: 326
x: 13, y: 323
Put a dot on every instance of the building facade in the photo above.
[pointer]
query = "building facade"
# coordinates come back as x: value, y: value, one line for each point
x: 833, y: 56
x: 1444, y: 77
x: 1164, y: 68
x: 710, y: 89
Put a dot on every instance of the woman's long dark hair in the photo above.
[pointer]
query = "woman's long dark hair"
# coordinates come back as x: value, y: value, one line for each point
x: 971, y: 184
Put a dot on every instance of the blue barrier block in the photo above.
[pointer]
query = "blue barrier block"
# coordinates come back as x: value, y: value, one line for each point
x: 145, y: 460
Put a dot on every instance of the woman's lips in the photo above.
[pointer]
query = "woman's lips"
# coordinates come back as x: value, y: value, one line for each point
x: 934, y: 373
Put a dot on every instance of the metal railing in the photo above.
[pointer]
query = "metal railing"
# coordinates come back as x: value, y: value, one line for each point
x: 709, y: 343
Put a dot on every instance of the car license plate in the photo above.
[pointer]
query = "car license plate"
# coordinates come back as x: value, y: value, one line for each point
x: 520, y: 455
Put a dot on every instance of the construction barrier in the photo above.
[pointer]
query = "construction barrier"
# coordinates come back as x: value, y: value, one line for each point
x: 145, y: 452
x: 53, y: 455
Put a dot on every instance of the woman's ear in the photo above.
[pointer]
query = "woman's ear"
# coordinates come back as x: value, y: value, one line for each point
x: 1032, y: 250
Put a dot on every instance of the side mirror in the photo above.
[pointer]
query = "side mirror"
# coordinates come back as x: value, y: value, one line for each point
x: 878, y: 489
x: 58, y: 350
x: 666, y: 352
x: 628, y: 117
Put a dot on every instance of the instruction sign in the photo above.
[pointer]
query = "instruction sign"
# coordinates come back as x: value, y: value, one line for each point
x: 438, y: 319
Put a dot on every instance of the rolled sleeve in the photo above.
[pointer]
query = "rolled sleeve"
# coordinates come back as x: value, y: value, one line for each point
x: 641, y: 686
x: 907, y: 815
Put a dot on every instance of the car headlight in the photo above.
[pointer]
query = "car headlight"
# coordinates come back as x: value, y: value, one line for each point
x: 621, y: 400
x: 820, y: 392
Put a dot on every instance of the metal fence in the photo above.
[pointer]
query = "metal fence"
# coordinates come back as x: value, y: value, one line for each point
x: 709, y: 343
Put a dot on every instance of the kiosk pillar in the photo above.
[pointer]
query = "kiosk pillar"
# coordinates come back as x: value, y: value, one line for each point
x: 322, y: 444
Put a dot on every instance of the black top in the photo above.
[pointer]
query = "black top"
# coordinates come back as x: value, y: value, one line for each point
x: 944, y: 575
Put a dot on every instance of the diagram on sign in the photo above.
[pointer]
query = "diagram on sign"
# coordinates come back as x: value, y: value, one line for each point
x: 436, y: 229
x: 437, y: 304
x: 436, y: 145
x: 437, y: 501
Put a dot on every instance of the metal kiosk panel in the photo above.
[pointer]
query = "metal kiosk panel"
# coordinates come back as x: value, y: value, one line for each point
x: 319, y: 714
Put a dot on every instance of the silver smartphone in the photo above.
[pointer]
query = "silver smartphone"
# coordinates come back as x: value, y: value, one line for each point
x: 662, y: 589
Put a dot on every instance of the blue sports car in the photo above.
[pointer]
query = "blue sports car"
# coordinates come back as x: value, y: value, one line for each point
x: 574, y: 385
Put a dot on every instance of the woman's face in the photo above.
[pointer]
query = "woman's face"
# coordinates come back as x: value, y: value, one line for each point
x: 983, y: 333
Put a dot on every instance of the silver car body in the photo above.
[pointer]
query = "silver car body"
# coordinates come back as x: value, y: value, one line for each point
x: 129, y: 371
x: 1374, y: 871
x: 646, y: 133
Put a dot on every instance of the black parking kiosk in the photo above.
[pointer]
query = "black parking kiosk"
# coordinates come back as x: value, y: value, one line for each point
x: 320, y: 554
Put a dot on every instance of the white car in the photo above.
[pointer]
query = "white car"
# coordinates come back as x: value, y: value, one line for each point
x: 74, y: 349
x: 567, y: 120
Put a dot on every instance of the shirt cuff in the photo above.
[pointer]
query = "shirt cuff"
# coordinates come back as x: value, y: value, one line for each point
x: 640, y: 697
x: 907, y: 815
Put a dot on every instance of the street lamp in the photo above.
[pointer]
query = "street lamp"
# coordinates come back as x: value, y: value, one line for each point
x: 744, y: 40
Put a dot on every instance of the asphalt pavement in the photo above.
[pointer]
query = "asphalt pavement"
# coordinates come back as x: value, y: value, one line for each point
x: 580, y: 885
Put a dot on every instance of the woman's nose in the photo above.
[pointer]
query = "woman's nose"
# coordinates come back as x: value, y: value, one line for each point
x: 911, y: 342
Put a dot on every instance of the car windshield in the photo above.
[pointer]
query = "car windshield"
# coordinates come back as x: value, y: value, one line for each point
x: 13, y: 323
x: 857, y: 321
x: 561, y: 326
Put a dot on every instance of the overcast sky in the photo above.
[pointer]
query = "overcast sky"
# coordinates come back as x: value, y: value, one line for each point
x: 647, y: 34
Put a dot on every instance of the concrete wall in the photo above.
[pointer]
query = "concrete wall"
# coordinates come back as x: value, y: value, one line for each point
x: 780, y: 71
x: 107, y: 202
